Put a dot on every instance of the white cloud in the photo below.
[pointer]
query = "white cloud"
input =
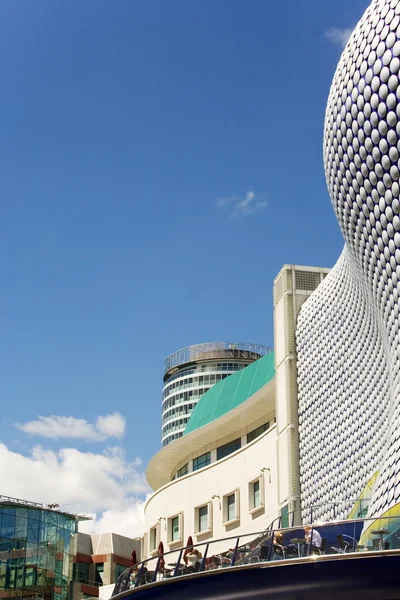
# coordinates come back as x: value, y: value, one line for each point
x: 338, y: 36
x: 55, y: 427
x: 240, y: 207
x: 111, y: 425
x: 128, y: 521
x: 104, y: 485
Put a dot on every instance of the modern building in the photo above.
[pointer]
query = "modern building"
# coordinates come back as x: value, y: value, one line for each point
x: 221, y: 474
x: 235, y: 468
x: 37, y: 550
x: 44, y: 557
x: 293, y: 287
x: 348, y: 332
x: 310, y: 433
x: 191, y: 372
x: 100, y: 559
x: 334, y: 394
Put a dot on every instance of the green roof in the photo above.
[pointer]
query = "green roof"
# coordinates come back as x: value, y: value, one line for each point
x: 231, y: 392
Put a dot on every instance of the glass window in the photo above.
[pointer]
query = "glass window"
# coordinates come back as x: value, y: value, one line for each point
x: 203, y: 518
x: 30, y: 577
x: 231, y: 507
x: 7, y: 526
x: 3, y: 574
x: 12, y: 577
x: 119, y: 569
x: 226, y: 449
x: 19, y: 580
x: 256, y: 432
x: 285, y: 516
x: 183, y: 470
x: 256, y: 494
x: 33, y: 530
x: 201, y: 461
x: 99, y: 569
x: 5, y: 546
x: 153, y: 538
x: 174, y: 529
x: 21, y: 520
x: 81, y: 572
x: 362, y: 512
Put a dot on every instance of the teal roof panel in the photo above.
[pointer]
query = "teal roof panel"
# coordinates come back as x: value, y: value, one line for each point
x: 231, y: 392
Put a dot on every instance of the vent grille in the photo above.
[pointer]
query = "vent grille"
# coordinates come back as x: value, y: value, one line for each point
x: 307, y: 280
x: 282, y: 284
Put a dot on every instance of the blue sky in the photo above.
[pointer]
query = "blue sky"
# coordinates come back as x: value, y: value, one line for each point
x: 160, y: 161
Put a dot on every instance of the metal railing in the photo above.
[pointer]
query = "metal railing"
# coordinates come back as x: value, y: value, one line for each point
x: 291, y: 543
x: 211, y: 350
x: 359, y: 508
x: 11, y: 500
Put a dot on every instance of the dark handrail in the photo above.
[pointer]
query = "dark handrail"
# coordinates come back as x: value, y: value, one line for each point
x: 234, y: 555
x: 257, y: 542
x: 178, y: 563
x: 203, y: 560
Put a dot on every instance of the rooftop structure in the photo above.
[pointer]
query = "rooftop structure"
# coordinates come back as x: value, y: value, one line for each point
x: 214, y: 350
x: 37, y: 550
x: 9, y: 500
x: 192, y: 371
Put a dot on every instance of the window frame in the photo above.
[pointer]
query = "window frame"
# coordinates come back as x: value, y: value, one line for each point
x: 78, y: 573
x: 284, y: 516
x: 119, y: 569
x: 224, y: 446
x: 170, y: 520
x: 179, y: 474
x: 225, y: 508
x: 197, y: 531
x: 252, y: 507
x: 261, y: 428
x: 208, y: 461
x: 157, y: 530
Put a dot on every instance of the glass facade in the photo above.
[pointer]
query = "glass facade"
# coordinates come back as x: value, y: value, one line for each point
x: 228, y: 448
x: 191, y: 372
x: 183, y: 470
x: 119, y: 569
x: 36, y: 552
x: 81, y: 572
x: 201, y: 461
x: 257, y: 432
x: 184, y: 387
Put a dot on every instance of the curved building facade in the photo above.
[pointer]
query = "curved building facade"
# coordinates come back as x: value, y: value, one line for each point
x: 220, y: 476
x: 37, y: 550
x: 191, y: 372
x: 348, y: 333
x: 334, y: 449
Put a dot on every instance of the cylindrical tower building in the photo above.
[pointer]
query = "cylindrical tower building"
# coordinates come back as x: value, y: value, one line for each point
x: 192, y: 371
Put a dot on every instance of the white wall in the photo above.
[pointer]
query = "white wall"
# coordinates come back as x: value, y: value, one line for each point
x: 293, y: 285
x: 105, y: 591
x: 183, y: 495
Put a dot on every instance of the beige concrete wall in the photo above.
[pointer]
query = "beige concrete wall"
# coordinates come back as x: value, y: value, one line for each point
x: 292, y: 286
x: 235, y: 472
